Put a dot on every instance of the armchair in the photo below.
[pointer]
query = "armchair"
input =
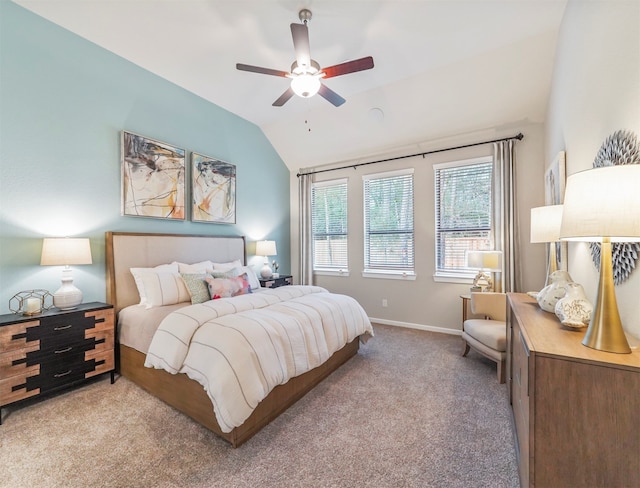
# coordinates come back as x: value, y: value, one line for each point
x: 488, y: 335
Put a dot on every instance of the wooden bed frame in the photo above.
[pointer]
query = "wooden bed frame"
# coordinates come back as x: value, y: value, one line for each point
x: 125, y: 250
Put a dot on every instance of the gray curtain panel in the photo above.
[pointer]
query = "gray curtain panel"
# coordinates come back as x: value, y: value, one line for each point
x: 305, y: 271
x: 505, y: 216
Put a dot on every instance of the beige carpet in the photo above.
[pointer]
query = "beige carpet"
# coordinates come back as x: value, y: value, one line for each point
x: 408, y: 411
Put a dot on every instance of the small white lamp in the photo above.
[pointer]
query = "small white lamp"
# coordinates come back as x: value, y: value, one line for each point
x: 490, y: 261
x: 266, y: 249
x: 545, y: 228
x: 602, y: 205
x: 64, y: 252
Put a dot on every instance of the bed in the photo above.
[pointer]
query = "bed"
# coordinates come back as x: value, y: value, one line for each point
x: 142, y: 250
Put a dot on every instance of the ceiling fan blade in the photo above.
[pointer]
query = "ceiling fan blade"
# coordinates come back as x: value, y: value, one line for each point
x: 328, y: 94
x: 300, y: 34
x: 284, y: 98
x: 264, y: 71
x: 348, y: 67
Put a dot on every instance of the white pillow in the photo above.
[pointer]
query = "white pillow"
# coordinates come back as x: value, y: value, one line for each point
x: 195, y: 268
x: 159, y: 286
x: 138, y: 272
x: 227, y: 266
x: 252, y: 278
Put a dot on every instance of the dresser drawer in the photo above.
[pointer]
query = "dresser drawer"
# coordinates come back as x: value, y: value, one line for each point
x: 19, y: 336
x: 66, y: 329
x: 15, y: 362
x: 15, y: 388
x: 98, y: 362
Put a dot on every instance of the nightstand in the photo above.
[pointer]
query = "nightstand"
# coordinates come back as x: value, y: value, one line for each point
x: 282, y: 280
x: 53, y: 350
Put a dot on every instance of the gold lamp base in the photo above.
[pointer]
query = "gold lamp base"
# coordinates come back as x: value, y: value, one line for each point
x: 605, y: 332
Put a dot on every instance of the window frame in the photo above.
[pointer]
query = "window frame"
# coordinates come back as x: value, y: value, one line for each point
x: 389, y: 272
x: 464, y: 274
x: 330, y: 270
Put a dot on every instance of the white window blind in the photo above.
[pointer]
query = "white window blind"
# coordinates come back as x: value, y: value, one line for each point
x: 329, y: 225
x: 388, y: 222
x: 463, y: 212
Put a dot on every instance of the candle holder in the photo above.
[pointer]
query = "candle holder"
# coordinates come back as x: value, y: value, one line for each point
x: 31, y: 302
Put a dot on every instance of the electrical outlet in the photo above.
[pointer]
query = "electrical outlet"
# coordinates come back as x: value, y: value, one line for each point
x: 384, y: 302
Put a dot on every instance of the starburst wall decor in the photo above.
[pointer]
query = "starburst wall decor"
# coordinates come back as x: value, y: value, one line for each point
x: 621, y: 147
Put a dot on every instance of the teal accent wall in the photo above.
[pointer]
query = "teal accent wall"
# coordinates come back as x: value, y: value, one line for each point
x: 63, y: 104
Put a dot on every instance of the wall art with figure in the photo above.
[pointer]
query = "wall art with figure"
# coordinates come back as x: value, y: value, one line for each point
x: 213, y: 190
x: 153, y: 182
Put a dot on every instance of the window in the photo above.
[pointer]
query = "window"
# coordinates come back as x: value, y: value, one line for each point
x: 329, y: 225
x: 463, y: 213
x: 388, y: 223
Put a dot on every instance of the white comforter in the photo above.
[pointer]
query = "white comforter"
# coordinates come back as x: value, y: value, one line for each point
x: 240, y: 348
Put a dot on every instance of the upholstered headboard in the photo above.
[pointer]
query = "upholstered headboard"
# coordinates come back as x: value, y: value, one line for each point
x: 125, y: 250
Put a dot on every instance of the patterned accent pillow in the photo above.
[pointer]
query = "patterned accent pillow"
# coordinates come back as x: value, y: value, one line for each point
x: 227, y: 287
x: 197, y: 287
x: 245, y: 271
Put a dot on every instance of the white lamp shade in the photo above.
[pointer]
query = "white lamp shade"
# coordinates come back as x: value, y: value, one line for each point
x: 266, y: 248
x: 545, y: 223
x: 64, y: 251
x: 602, y: 202
x: 485, y: 260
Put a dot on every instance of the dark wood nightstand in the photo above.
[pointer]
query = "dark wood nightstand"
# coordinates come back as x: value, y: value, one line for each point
x: 53, y: 350
x: 282, y: 280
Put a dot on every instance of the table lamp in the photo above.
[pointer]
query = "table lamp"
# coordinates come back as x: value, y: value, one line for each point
x: 603, y: 205
x: 266, y: 249
x: 545, y: 228
x: 65, y: 252
x: 490, y: 261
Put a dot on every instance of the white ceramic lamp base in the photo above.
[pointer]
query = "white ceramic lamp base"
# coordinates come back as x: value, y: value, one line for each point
x: 266, y: 271
x: 67, y: 296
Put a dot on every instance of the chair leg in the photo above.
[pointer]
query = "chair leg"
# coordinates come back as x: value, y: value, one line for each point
x: 466, y: 348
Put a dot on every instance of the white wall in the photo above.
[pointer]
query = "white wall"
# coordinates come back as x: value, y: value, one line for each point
x: 595, y: 92
x: 424, y: 303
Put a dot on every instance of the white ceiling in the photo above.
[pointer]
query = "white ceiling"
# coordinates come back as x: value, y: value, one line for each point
x: 442, y: 67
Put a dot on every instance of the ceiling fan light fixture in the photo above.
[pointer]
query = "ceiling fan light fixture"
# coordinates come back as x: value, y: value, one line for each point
x: 305, y: 85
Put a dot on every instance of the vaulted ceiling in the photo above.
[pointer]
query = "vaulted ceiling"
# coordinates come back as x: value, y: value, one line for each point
x: 442, y: 67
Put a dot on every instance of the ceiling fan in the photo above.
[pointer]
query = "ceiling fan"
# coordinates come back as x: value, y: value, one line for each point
x: 306, y: 72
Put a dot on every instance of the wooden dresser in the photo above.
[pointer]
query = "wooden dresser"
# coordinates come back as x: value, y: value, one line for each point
x: 576, y: 410
x: 54, y: 350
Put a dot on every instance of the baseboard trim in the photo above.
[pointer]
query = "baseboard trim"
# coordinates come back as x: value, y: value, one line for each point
x: 409, y: 325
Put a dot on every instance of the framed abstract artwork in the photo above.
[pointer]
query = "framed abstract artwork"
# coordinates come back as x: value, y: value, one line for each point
x: 213, y: 190
x: 555, y: 179
x: 153, y: 178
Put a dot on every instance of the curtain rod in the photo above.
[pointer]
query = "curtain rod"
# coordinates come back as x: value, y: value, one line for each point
x: 519, y: 136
